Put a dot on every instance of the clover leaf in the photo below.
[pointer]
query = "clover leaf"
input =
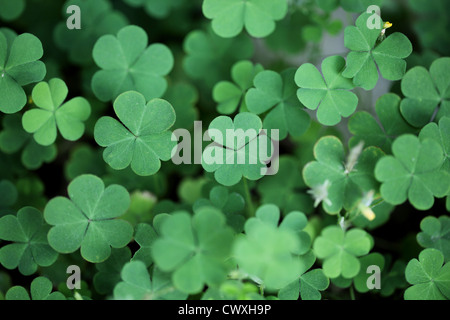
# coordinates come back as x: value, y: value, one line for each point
x: 156, y: 8
x: 367, y: 55
x: 340, y: 250
x: 328, y: 93
x: 361, y: 279
x: 145, y: 235
x: 210, y: 57
x: 97, y: 19
x: 137, y: 285
x: 84, y: 159
x: 429, y: 277
x: 347, y: 5
x: 343, y: 183
x: 413, y: 172
x: 365, y: 127
x: 11, y: 10
x: 194, y: 249
x: 230, y: 95
x: 142, y: 139
x: 132, y: 66
x: 258, y: 17
x: 441, y: 134
x: 240, y: 156
x: 426, y: 92
x: 108, y: 274
x: 87, y: 220
x: 19, y: 66
x: 436, y: 234
x: 29, y: 248
x: 53, y: 114
x: 276, y: 92
x: 40, y: 289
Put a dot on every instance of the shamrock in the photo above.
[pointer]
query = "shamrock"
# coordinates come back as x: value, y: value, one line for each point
x: 413, y: 172
x: 441, y: 134
x: 87, y: 220
x: 210, y: 57
x: 341, y: 183
x: 426, y: 92
x: 13, y: 138
x: 52, y: 114
x: 29, y: 248
x: 367, y: 55
x: 429, y: 277
x: 156, y: 8
x: 97, y: 19
x: 436, y: 234
x: 109, y: 271
x: 40, y: 289
x: 11, y: 10
x: 365, y: 127
x: 230, y: 95
x: 340, y: 250
x: 330, y: 96
x: 132, y: 66
x: 137, y: 285
x: 144, y: 137
x: 19, y: 66
x: 145, y: 235
x: 194, y: 249
x: 276, y: 92
x: 258, y: 17
x: 240, y: 156
x: 362, y: 278
x: 269, y: 253
x: 183, y: 97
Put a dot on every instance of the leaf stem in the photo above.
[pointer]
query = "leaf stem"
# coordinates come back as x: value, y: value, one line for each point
x: 248, y: 199
x: 352, y: 293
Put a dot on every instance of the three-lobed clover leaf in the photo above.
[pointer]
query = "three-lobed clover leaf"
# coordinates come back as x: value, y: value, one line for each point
x: 156, y: 8
x: 194, y: 249
x: 426, y: 92
x: 243, y: 152
x: 436, y: 234
x: 97, y: 19
x: 145, y: 236
x: 137, y: 285
x: 328, y: 93
x: 269, y: 253
x: 142, y: 139
x: 441, y: 134
x: 343, y: 183
x: 40, y: 289
x: 230, y: 96
x: 429, y: 277
x: 368, y: 55
x: 127, y: 64
x: 257, y: 16
x: 29, y: 248
x: 365, y: 127
x: 274, y: 93
x: 54, y: 115
x: 413, y: 172
x: 19, y: 66
x: 340, y: 250
x: 88, y: 219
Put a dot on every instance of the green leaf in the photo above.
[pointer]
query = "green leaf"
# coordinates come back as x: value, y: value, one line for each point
x: 137, y: 285
x: 426, y: 92
x: 329, y: 93
x: 40, y: 289
x: 145, y: 236
x: 108, y: 274
x: 367, y: 54
x: 275, y: 94
x: 87, y: 220
x: 142, y: 139
x: 8, y: 194
x: 413, y: 172
x: 340, y: 249
x: 11, y: 10
x: 441, y: 134
x: 429, y: 277
x: 311, y: 283
x: 156, y: 8
x: 128, y: 64
x: 230, y: 95
x: 19, y: 66
x: 361, y: 280
x: 29, y: 248
x: 194, y: 248
x: 183, y: 97
x: 366, y: 128
x: 436, y: 234
x: 54, y: 114
x: 258, y: 17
